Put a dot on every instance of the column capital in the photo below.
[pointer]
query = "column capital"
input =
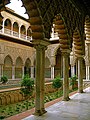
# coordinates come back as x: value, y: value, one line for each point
x: 40, y: 47
x: 80, y: 57
x: 44, y: 42
x: 72, y: 65
x: 65, y: 52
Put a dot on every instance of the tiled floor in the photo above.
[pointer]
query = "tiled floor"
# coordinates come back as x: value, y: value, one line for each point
x: 78, y: 108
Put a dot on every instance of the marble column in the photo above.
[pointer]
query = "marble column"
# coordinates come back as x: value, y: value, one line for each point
x: 61, y: 67
x: 76, y: 68
x: 19, y: 31
x: 39, y: 86
x: 22, y: 71
x: 80, y: 79
x: 87, y: 72
x: 0, y: 71
x: 13, y: 72
x: 65, y: 76
x: 52, y: 72
x: 3, y: 26
x: 11, y: 30
x: 72, y: 71
x: 32, y: 71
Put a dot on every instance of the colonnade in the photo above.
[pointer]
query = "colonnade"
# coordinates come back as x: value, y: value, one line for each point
x: 40, y: 68
x: 13, y: 71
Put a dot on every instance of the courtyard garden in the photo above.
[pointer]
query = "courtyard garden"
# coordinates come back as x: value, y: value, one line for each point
x: 29, y: 103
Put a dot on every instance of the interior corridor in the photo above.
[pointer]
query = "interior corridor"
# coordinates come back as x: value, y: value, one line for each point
x: 78, y: 108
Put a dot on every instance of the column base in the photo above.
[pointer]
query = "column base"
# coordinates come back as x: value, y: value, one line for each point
x: 80, y: 91
x: 40, y: 112
x: 66, y: 99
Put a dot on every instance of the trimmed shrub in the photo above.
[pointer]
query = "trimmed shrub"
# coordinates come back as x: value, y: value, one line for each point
x: 27, y: 85
x: 4, y: 79
x: 57, y: 82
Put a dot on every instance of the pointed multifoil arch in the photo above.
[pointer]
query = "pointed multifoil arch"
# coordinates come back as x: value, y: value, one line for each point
x: 87, y: 27
x: 61, y: 28
x: 8, y: 60
x: 77, y: 43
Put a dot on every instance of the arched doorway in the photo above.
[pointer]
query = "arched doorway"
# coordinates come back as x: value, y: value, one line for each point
x: 27, y: 69
x: 7, y: 69
x: 47, y: 68
x: 18, y: 68
x: 58, y: 66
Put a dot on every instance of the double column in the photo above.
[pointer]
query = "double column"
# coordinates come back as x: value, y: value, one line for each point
x: 39, y: 79
x: 65, y: 60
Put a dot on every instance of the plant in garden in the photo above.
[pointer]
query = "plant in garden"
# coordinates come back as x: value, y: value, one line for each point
x: 27, y: 87
x: 57, y: 83
x: 73, y: 81
x: 4, y: 79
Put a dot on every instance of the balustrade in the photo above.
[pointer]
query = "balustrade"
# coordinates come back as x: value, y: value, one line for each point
x: 15, y: 34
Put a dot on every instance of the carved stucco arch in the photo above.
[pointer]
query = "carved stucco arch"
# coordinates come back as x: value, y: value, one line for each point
x: 19, y: 57
x: 8, y: 56
x: 87, y: 38
x: 62, y: 32
x: 11, y: 56
x: 77, y: 43
x: 87, y: 27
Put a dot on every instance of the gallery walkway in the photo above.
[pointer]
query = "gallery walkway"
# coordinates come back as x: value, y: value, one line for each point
x: 78, y: 108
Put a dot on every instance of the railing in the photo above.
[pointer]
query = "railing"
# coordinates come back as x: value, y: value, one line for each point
x: 7, y: 31
x: 23, y: 36
x: 15, y: 34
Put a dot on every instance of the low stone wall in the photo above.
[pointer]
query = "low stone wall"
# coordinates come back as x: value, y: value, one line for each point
x: 13, y: 95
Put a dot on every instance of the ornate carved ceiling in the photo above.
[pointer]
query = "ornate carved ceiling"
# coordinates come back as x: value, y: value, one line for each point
x: 83, y: 4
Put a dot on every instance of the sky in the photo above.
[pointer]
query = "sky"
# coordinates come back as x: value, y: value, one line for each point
x: 16, y: 6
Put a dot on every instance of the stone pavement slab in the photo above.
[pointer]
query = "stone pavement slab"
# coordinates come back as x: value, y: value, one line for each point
x: 78, y: 108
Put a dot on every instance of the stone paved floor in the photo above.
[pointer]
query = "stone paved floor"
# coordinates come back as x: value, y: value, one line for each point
x: 78, y: 108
